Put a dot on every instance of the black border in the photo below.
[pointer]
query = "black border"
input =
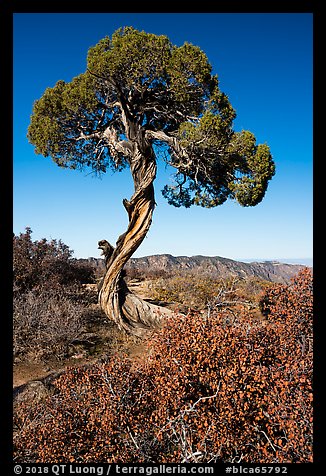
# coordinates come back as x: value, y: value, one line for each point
x: 6, y: 189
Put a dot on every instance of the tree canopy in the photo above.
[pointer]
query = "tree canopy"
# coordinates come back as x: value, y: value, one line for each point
x: 140, y: 85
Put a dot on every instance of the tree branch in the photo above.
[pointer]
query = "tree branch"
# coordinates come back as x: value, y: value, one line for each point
x: 117, y: 146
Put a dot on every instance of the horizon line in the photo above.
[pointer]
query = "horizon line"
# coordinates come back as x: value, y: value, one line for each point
x: 302, y: 261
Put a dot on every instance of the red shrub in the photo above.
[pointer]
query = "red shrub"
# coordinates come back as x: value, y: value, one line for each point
x: 45, y: 264
x: 292, y: 305
x: 208, y: 389
x: 49, y: 301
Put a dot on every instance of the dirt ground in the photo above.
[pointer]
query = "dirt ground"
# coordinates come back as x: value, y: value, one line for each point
x: 108, y: 338
x: 25, y: 372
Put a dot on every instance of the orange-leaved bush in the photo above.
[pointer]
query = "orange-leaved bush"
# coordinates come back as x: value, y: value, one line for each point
x: 210, y: 388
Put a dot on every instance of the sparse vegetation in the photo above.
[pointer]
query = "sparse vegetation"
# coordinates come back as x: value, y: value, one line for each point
x: 49, y: 303
x: 214, y: 385
x: 199, y: 292
x: 46, y: 323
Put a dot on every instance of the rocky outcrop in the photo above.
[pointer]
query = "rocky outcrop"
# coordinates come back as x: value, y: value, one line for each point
x: 216, y: 267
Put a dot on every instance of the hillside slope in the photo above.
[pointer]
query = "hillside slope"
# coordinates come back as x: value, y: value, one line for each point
x: 214, y: 266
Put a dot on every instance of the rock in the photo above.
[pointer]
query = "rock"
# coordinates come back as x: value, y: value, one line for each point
x: 35, y: 390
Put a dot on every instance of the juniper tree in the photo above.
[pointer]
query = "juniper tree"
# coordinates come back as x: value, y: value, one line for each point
x: 140, y: 95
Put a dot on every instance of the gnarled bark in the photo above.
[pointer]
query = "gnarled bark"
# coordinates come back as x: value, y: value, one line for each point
x: 132, y: 314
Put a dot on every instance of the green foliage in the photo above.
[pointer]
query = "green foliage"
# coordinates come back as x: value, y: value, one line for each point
x: 257, y: 168
x: 225, y: 164
x: 137, y: 84
x: 189, y: 74
x: 131, y: 57
x: 59, y: 119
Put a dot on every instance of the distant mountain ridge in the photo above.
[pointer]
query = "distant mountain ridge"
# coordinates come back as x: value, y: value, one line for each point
x: 213, y: 266
x: 308, y: 262
x: 217, y: 267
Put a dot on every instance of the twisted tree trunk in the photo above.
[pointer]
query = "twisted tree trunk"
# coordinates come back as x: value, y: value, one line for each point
x: 132, y: 314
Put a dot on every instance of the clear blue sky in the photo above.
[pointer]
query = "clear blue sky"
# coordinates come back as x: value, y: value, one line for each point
x: 264, y: 64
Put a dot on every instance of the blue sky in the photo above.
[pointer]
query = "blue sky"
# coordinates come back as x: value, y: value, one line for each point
x: 264, y: 64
